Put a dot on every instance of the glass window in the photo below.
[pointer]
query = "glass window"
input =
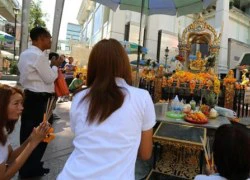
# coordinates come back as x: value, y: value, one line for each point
x: 89, y: 29
x: 106, y: 14
x: 98, y: 19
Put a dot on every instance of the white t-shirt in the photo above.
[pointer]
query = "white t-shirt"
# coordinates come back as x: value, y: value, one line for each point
x: 4, y: 152
x: 211, y: 177
x: 108, y: 150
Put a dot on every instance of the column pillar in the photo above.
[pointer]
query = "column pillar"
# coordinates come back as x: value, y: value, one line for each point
x: 152, y: 36
x: 248, y: 39
x: 25, y: 25
x: 222, y: 20
x: 56, y: 24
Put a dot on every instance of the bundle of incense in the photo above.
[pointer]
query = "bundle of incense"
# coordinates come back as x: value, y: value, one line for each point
x: 208, y: 155
x: 46, y: 116
x: 49, y: 109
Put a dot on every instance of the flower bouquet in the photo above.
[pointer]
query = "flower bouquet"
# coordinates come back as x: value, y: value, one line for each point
x: 180, y: 58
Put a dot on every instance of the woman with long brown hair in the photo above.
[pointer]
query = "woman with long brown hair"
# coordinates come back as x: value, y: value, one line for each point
x: 112, y: 121
x: 11, y: 107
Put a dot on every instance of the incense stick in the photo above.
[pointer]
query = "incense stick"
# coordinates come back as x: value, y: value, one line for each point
x: 212, y: 160
x: 205, y: 151
x: 208, y: 148
x: 46, y: 117
x: 49, y: 109
x: 46, y: 112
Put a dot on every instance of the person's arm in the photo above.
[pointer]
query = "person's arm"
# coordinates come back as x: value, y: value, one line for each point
x: 47, y: 73
x: 7, y: 171
x: 78, y: 84
x: 66, y: 68
x: 146, y: 144
x: 13, y: 154
x: 74, y: 68
x: 145, y: 148
x: 70, y: 68
x: 74, y: 83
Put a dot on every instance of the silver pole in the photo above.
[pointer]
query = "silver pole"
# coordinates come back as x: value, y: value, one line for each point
x: 25, y: 25
x: 56, y: 24
x: 139, y: 47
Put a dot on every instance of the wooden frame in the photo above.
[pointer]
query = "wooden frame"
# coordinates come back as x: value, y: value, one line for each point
x: 179, y: 142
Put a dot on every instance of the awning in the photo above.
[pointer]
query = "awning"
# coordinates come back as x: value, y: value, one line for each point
x: 6, y: 37
x: 132, y: 48
x: 8, y: 55
x: 245, y: 60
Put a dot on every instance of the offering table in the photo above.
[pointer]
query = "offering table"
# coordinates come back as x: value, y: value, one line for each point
x: 178, y: 145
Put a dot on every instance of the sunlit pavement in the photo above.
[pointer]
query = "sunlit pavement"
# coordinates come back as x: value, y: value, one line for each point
x: 11, y: 83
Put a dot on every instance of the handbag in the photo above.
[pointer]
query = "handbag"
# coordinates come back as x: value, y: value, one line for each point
x: 61, y: 88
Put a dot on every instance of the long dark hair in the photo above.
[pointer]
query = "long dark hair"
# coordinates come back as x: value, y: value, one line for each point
x: 107, y: 61
x: 5, y: 93
x: 231, y: 152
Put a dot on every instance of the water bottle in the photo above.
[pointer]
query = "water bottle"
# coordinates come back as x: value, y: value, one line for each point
x: 175, y: 104
x: 193, y: 104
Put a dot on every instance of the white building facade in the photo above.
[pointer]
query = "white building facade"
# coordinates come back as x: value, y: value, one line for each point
x: 161, y: 31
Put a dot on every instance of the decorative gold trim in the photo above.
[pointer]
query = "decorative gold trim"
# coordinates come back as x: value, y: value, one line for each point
x: 177, y: 142
x: 199, y: 32
x: 151, y: 172
x: 200, y: 27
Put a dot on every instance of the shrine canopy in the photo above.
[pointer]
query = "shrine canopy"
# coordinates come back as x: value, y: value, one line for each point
x: 132, y: 48
x: 149, y: 7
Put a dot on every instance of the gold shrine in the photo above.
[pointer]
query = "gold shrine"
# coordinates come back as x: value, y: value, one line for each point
x: 200, y: 32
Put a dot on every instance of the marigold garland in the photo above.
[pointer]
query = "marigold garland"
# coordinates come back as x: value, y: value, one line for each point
x: 204, y: 79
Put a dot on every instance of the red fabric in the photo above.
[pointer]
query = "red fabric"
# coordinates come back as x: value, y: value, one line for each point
x: 61, y: 88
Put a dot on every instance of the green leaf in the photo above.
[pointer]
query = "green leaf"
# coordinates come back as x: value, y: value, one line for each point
x: 36, y: 15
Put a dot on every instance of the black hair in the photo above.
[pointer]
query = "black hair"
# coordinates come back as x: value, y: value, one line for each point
x: 231, y: 152
x: 37, y: 32
x: 53, y: 54
x: 78, y: 75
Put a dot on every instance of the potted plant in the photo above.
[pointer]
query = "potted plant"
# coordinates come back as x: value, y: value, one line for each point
x: 211, y: 99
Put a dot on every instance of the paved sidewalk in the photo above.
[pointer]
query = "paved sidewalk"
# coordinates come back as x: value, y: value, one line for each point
x: 8, y: 82
x: 59, y: 149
